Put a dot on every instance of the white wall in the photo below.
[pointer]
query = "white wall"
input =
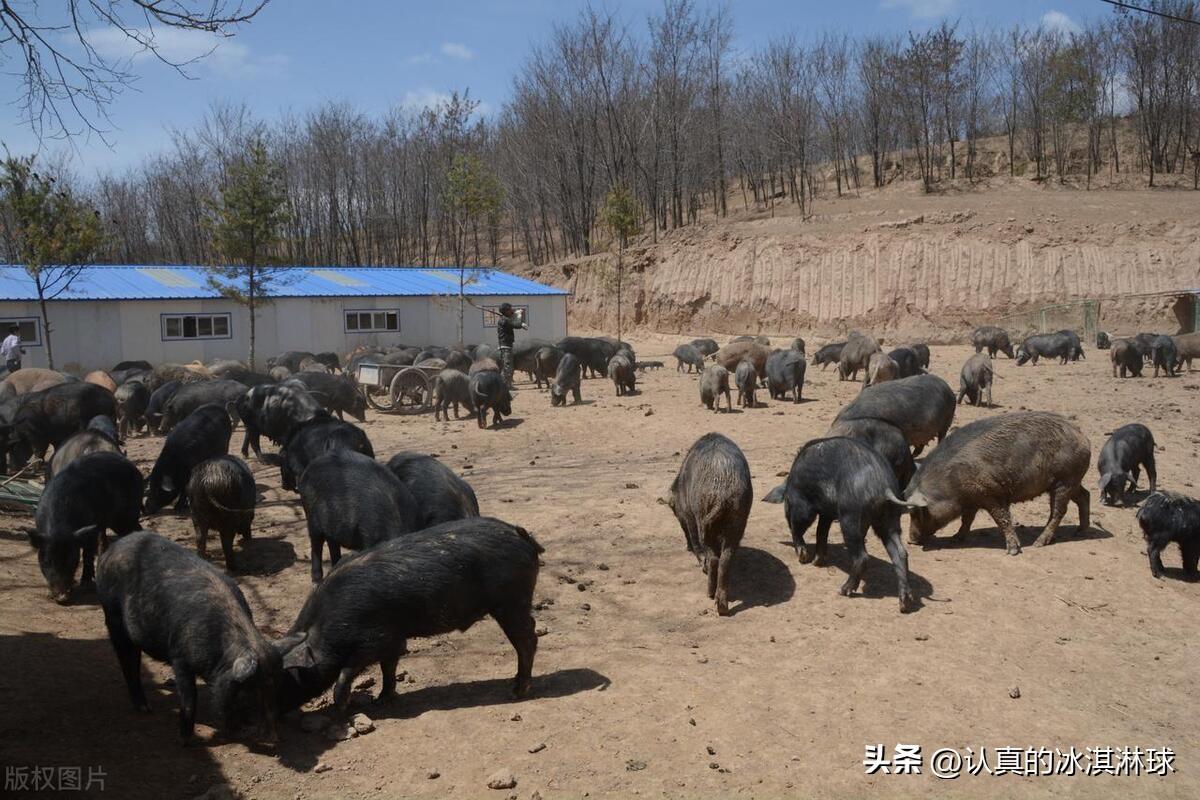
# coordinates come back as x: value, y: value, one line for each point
x: 96, y: 334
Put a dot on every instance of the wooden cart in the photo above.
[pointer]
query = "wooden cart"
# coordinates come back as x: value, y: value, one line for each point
x: 395, y: 388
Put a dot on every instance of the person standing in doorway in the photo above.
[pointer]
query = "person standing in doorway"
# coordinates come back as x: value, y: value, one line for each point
x: 11, y: 350
x: 506, y: 328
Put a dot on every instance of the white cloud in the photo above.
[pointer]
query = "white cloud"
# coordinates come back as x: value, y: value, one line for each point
x: 1059, y: 22
x: 425, y: 97
x: 921, y: 9
x: 223, y: 56
x: 456, y: 50
x: 421, y: 58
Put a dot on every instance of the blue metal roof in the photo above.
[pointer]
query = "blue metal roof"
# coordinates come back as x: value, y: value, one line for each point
x: 152, y: 282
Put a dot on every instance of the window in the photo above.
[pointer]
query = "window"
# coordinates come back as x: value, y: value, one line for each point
x: 372, y: 321
x: 195, y: 326
x: 492, y: 313
x: 31, y: 329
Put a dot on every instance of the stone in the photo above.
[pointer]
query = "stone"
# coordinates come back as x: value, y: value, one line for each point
x: 537, y: 748
x: 502, y: 779
x: 362, y: 724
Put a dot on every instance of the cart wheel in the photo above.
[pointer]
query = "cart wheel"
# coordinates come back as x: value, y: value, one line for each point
x: 410, y: 391
x: 379, y: 399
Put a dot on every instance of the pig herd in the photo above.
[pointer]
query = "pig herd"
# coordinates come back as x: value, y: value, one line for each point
x: 428, y: 563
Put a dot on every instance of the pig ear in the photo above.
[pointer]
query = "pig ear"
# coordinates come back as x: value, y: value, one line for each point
x: 1105, y: 479
x: 244, y: 668
x: 288, y: 643
x: 301, y: 657
x: 917, y: 500
x: 168, y: 485
x: 776, y: 494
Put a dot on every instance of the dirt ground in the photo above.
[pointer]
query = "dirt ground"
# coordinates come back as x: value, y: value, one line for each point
x: 639, y: 688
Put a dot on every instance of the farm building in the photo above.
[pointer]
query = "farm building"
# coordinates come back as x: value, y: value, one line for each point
x: 172, y: 314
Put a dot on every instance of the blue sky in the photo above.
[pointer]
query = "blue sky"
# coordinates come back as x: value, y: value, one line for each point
x: 376, y: 54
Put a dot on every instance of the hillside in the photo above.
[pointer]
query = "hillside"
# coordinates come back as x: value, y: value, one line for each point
x: 904, y: 263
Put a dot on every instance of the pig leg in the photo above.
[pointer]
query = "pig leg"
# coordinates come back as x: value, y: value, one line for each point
x: 128, y: 656
x: 1152, y: 473
x: 724, y: 568
x: 964, y: 527
x: 1083, y: 502
x: 693, y: 544
x: 1190, y: 550
x: 185, y: 687
x: 576, y: 394
x: 1003, y: 517
x: 989, y: 395
x: 712, y: 565
x: 343, y: 685
x: 1060, y: 496
x: 227, y: 549
x: 88, y: 578
x: 852, y: 534
x: 1154, y: 551
x: 799, y: 520
x: 335, y: 552
x: 899, y: 556
x: 823, y: 525
x: 317, y: 542
x: 387, y: 667
x: 517, y: 624
x: 201, y: 540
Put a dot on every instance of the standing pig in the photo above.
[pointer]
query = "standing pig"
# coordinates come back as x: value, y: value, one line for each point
x: 337, y: 394
x: 845, y: 480
x: 921, y: 407
x: 191, y: 396
x: 545, y: 362
x: 428, y: 583
x: 747, y: 383
x: 856, y: 355
x: 80, y: 444
x: 133, y: 398
x: 221, y: 494
x: 880, y: 369
x: 441, y: 495
x: 886, y: 439
x: 976, y: 378
x: 48, y: 417
x: 178, y: 609
x: 315, y: 439
x: 734, y: 353
x: 1128, y: 449
x: 1164, y: 355
x: 202, y: 435
x: 94, y: 493
x: 713, y: 383
x: 785, y: 373
x: 829, y: 354
x: 351, y: 500
x: 1168, y: 517
x: 1047, y: 345
x: 922, y: 351
x: 993, y: 339
x: 567, y: 378
x: 798, y: 345
x: 156, y: 405
x: 489, y: 392
x: 1125, y: 358
x: 687, y: 355
x: 908, y: 360
x: 995, y: 462
x: 706, y: 346
x: 711, y: 498
x: 1187, y: 348
x: 451, y: 387
x: 621, y: 373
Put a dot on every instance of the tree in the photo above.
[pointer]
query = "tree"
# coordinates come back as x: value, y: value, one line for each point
x: 246, y: 232
x: 473, y: 192
x: 50, y: 231
x: 619, y: 215
x: 73, y: 67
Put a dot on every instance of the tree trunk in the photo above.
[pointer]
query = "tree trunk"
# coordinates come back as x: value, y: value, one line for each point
x: 46, y: 329
x: 252, y: 306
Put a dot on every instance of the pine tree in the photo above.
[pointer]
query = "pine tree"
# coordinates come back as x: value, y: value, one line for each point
x: 620, y: 215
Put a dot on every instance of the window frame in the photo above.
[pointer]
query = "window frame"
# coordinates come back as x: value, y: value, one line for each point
x: 370, y: 312
x: 37, y: 329
x: 211, y: 317
x: 490, y: 319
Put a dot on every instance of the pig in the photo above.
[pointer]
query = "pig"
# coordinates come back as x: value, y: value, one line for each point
x: 96, y: 492
x: 706, y: 346
x: 133, y: 399
x: 1144, y: 342
x: 488, y: 391
x: 202, y: 435
x: 156, y: 405
x: 290, y: 360
x: 483, y: 365
x: 524, y: 354
x: 337, y: 394
x: 976, y: 378
x: 122, y: 377
x: 593, y: 353
x: 1187, y: 347
x: 1164, y: 354
x: 80, y: 444
x: 880, y: 369
x: 189, y: 397
x: 845, y: 480
x: 545, y: 364
x: 279, y: 374
x: 275, y: 411
x: 313, y: 440
x: 102, y: 379
x: 922, y: 407
x: 30, y: 379
x: 829, y: 354
x: 856, y: 355
x: 1125, y: 358
x: 175, y: 607
x: 908, y: 361
x: 483, y: 351
x: 785, y: 373
x: 886, y: 439
x: 1076, y: 351
x: 457, y: 359
x: 48, y: 417
x: 995, y: 462
x: 432, y: 363
x: 713, y: 383
x: 922, y: 351
x: 1045, y: 345
x: 798, y: 345
x: 165, y: 373
x: 735, y: 353
x: 428, y: 583
x: 1128, y: 449
x: 451, y: 387
x: 746, y: 379
x: 1103, y: 341
x: 993, y: 339
x: 329, y: 360
x: 351, y: 500
x: 622, y: 374
x: 711, y: 497
x: 687, y: 355
x: 1168, y: 517
x: 221, y: 495
x: 145, y: 366
x: 441, y: 495
x: 311, y: 365
x: 567, y: 378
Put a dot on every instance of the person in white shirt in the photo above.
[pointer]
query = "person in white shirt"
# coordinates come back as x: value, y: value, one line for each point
x: 11, y: 350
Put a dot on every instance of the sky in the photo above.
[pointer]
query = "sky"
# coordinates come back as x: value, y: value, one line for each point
x: 378, y: 54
